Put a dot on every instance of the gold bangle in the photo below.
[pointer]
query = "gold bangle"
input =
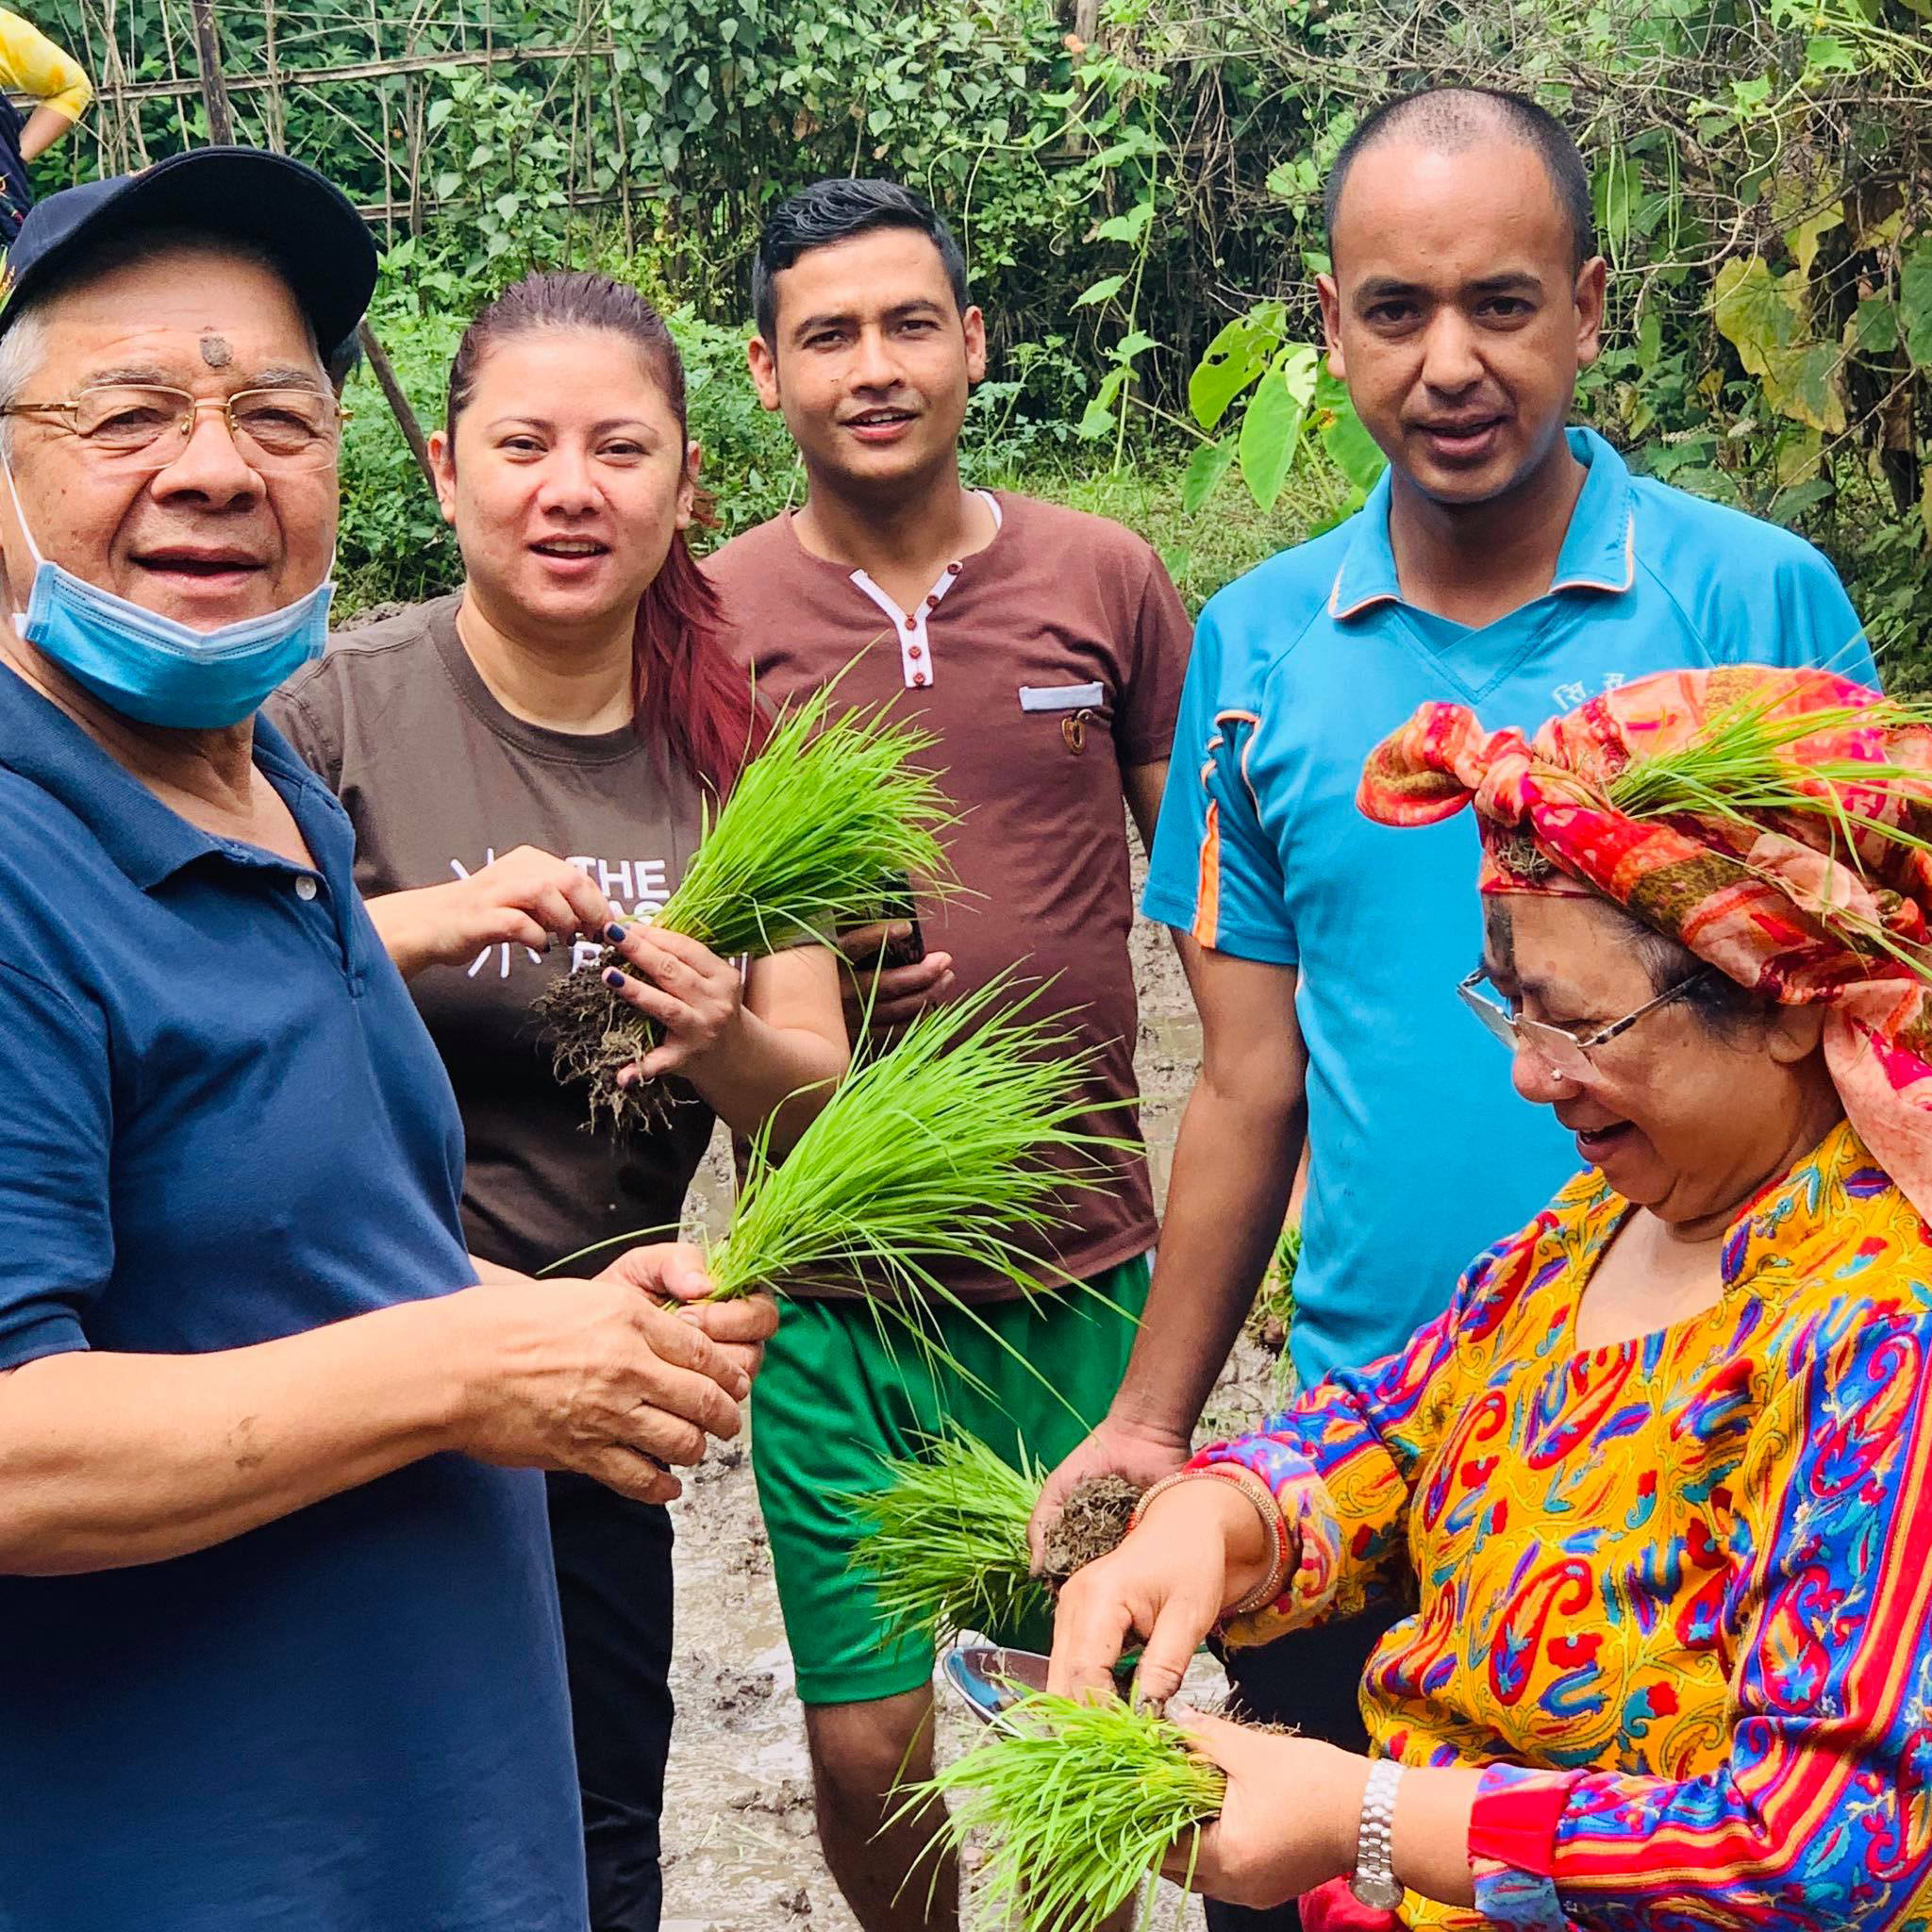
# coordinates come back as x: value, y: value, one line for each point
x: 1275, y: 1527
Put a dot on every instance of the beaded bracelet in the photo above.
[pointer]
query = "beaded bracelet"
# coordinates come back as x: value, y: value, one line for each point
x: 1275, y: 1527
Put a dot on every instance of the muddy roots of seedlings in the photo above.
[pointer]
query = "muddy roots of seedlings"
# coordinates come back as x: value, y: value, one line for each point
x: 592, y: 1035
x: 1093, y: 1522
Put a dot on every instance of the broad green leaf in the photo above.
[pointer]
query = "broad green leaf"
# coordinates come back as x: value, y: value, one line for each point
x: 1228, y: 365
x: 1105, y: 290
x: 1874, y: 328
x: 1293, y: 180
x: 1205, y: 468
x: 1788, y: 505
x: 1766, y: 319
x: 1128, y: 227
x: 1925, y: 503
x: 1797, y: 456
x: 1353, y: 451
x: 1804, y: 238
x: 1915, y: 301
x: 1827, y: 54
x: 1300, y: 364
x: 1271, y: 424
x: 1098, y: 418
x: 1650, y: 339
x: 439, y: 112
x: 1136, y: 343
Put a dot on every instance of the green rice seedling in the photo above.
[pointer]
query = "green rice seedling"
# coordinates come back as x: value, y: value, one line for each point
x: 821, y: 832
x: 1077, y: 1803
x: 944, y: 1542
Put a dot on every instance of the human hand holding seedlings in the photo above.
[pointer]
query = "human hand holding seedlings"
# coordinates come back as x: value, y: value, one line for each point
x: 694, y: 1000
x: 526, y: 898
x: 597, y: 1376
x: 1199, y: 1548
x: 1259, y: 1852
x: 741, y: 1327
x: 1139, y: 1456
x: 881, y: 998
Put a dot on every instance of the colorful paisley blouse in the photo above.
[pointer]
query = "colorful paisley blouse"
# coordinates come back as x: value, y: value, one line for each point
x: 1686, y: 1580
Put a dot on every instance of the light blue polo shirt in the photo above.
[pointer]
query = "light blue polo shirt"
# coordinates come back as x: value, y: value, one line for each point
x: 1421, y: 1153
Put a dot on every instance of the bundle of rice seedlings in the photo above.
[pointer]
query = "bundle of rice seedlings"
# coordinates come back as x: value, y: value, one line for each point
x: 821, y: 831
x: 955, y: 1146
x: 944, y: 1542
x: 1754, y: 757
x: 960, y: 1144
x: 1077, y: 1803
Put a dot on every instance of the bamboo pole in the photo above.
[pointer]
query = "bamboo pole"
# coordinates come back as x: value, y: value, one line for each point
x: 359, y: 69
x: 214, y: 91
x: 384, y: 372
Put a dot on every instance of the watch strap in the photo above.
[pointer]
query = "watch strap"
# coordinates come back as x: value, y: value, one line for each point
x: 1373, y: 1882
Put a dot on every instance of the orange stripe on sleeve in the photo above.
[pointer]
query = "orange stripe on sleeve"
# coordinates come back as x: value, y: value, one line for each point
x: 1208, y: 893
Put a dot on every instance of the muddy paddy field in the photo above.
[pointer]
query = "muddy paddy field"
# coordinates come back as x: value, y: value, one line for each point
x: 739, y: 1853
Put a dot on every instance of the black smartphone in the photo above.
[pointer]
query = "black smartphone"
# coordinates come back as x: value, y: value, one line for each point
x: 909, y: 951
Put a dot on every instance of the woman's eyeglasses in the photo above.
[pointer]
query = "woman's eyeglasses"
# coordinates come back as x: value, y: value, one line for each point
x: 146, y: 427
x: 1564, y: 1053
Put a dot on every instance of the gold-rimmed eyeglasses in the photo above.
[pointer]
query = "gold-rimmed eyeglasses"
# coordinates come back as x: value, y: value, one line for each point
x: 1566, y: 1054
x: 147, y: 426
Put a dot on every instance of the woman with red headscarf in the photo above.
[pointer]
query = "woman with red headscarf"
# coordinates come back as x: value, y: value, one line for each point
x: 1660, y: 1481
x: 527, y: 765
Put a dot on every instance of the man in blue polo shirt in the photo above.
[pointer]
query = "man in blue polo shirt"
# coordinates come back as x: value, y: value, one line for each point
x: 1504, y: 562
x: 281, y: 1645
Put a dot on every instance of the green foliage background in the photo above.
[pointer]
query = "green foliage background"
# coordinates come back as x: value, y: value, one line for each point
x: 1142, y: 217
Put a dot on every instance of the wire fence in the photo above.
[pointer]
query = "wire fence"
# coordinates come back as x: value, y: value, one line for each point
x: 351, y: 88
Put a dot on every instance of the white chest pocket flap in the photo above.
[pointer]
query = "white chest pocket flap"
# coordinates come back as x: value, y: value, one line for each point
x: 1060, y: 697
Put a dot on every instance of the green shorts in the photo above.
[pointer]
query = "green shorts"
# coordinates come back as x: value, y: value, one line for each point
x: 836, y: 1396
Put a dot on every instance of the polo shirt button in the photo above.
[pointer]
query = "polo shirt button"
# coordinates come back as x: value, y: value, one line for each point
x: 915, y: 652
x: 305, y: 886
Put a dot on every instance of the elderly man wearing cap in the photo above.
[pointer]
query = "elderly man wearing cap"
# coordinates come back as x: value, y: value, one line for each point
x: 281, y: 1630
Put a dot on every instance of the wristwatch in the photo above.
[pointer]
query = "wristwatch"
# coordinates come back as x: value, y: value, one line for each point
x: 1374, y: 1883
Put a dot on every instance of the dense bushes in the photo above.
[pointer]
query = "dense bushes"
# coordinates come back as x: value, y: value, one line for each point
x: 1763, y: 176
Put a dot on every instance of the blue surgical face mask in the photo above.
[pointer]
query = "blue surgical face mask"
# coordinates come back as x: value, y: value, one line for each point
x: 157, y: 670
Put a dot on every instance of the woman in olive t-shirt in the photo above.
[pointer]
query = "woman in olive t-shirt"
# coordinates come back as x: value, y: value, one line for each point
x: 525, y: 764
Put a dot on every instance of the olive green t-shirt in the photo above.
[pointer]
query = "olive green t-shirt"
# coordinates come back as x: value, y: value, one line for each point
x: 440, y: 779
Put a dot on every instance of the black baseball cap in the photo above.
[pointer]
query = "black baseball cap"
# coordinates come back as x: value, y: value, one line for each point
x: 305, y: 225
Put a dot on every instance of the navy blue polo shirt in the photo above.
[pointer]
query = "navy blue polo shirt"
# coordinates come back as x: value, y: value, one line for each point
x: 1419, y: 1151
x: 220, y: 1121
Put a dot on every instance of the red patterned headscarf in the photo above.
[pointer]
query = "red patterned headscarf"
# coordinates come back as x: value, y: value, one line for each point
x: 1779, y: 824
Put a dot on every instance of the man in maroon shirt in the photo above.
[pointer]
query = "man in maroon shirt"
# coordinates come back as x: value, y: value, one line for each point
x: 1045, y: 649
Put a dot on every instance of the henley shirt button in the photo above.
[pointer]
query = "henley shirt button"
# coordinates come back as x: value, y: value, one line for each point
x: 915, y: 652
x: 919, y: 677
x: 305, y: 886
x: 912, y: 624
x: 932, y: 603
x: 952, y: 570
